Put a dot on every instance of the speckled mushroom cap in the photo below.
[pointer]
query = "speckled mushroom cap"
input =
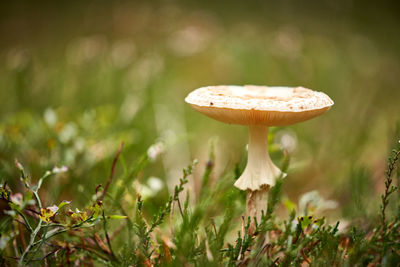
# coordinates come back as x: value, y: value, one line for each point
x: 259, y: 105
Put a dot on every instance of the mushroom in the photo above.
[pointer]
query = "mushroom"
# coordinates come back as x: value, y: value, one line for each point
x: 258, y: 107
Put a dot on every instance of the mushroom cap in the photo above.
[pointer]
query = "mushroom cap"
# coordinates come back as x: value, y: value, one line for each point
x: 259, y: 105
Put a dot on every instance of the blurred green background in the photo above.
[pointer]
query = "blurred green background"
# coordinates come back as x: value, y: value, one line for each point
x: 77, y: 78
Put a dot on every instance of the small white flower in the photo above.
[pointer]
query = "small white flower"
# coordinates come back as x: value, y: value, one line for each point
x: 97, y: 195
x: 69, y: 132
x: 10, y: 212
x: 155, y: 183
x: 53, y: 208
x: 3, y: 241
x: 343, y: 226
x: 17, y: 199
x: 155, y: 150
x: 328, y: 205
x: 60, y: 170
x: 144, y: 190
x: 312, y: 202
x: 287, y: 140
x: 50, y: 117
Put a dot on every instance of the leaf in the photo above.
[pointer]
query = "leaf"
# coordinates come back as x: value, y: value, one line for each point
x: 63, y: 203
x: 14, y: 206
x: 101, y: 244
x: 96, y: 209
x: 305, y: 221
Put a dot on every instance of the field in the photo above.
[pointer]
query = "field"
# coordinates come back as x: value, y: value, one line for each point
x: 94, y: 94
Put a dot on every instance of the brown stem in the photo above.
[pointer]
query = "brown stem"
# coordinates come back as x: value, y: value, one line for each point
x: 21, y: 235
x: 256, y: 201
x: 112, y: 171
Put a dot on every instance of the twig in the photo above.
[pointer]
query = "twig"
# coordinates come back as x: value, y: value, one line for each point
x: 32, y: 240
x: 22, y: 223
x: 21, y: 234
x: 112, y: 171
x: 45, y: 256
x: 304, y: 256
x: 79, y: 225
x: 171, y: 219
x: 27, y: 224
x: 39, y: 225
x: 100, y: 243
x: 41, y: 241
x: 90, y: 249
x: 33, y: 211
x: 389, y: 189
x: 180, y: 207
x: 106, y: 234
x: 214, y: 227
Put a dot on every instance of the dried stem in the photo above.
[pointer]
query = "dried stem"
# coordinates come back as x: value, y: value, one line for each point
x: 112, y: 172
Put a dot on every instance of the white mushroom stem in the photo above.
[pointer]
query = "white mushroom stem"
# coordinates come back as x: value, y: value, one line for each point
x: 260, y: 173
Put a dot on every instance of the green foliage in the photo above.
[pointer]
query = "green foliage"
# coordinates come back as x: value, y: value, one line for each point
x: 32, y: 234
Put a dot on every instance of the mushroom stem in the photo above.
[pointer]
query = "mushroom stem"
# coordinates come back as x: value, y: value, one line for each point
x: 256, y: 201
x: 260, y: 173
